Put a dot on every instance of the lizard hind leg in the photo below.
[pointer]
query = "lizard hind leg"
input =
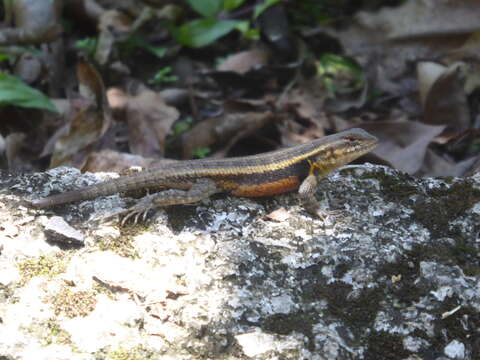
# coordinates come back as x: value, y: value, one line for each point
x: 201, y: 189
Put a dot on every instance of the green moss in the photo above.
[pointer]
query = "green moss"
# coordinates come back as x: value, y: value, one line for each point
x: 6, y: 294
x: 460, y: 326
x: 52, y: 333
x: 44, y: 265
x: 284, y: 324
x: 123, y: 244
x: 396, y: 188
x: 179, y: 216
x: 360, y: 312
x: 442, y: 205
x: 436, y: 213
x: 135, y: 353
x: 73, y: 304
x: 405, y: 290
x: 385, y: 346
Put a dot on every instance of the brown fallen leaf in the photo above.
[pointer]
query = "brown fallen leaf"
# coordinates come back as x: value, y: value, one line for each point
x: 82, y: 132
x: 443, y: 96
x: 436, y: 165
x: 468, y: 51
x: 87, y: 125
x: 244, y: 61
x: 225, y: 131
x: 403, y: 144
x: 113, y: 26
x: 14, y: 142
x: 395, y: 37
x: 149, y: 121
x: 110, y: 160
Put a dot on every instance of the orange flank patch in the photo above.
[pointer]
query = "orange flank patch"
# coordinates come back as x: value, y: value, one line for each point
x: 268, y: 189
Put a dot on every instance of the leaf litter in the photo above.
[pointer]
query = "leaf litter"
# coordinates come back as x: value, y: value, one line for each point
x: 225, y: 79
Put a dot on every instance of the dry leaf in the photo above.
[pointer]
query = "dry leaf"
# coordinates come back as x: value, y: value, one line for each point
x: 245, y: 61
x: 436, y: 165
x: 444, y: 98
x: 403, y: 143
x: 14, y: 142
x: 149, y: 121
x: 87, y: 125
x: 83, y: 131
x: 113, y: 25
x: 109, y: 160
x: 225, y: 130
x: 427, y: 29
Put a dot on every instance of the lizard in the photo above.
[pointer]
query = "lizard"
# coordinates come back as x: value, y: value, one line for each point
x: 298, y: 168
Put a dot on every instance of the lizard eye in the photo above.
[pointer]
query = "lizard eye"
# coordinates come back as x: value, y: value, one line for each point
x: 351, y: 138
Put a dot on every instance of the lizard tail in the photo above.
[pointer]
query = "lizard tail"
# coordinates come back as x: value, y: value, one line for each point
x: 109, y: 187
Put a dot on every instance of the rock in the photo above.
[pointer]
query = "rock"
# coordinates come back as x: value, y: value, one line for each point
x: 59, y: 231
x: 392, y: 274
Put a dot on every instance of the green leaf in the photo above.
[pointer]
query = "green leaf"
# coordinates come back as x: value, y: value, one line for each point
x: 182, y: 126
x: 88, y: 44
x: 247, y: 31
x: 206, y: 8
x: 201, y: 152
x: 14, y: 91
x: 163, y: 76
x: 158, y: 51
x: 340, y: 74
x: 230, y: 5
x: 5, y: 57
x: 202, y: 32
x: 259, y: 9
x: 138, y: 41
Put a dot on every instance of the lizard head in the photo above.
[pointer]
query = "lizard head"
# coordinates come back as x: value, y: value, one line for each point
x: 342, y: 149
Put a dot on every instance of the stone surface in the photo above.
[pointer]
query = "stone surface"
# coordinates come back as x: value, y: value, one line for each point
x: 391, y: 274
x: 59, y: 231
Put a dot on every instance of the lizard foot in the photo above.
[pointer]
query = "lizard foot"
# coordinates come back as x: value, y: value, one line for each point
x: 137, y: 212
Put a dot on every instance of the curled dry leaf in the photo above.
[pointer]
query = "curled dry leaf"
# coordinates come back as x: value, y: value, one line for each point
x: 443, y: 96
x: 469, y: 51
x: 91, y: 85
x: 403, y: 144
x: 87, y: 125
x: 427, y: 73
x: 306, y: 102
x: 71, y: 149
x: 436, y: 165
x: 149, y: 121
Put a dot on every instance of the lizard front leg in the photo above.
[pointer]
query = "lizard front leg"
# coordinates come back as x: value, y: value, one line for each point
x: 201, y: 189
x: 307, y: 191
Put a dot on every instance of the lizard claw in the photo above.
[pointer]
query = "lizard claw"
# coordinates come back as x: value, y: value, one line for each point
x: 136, y: 213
